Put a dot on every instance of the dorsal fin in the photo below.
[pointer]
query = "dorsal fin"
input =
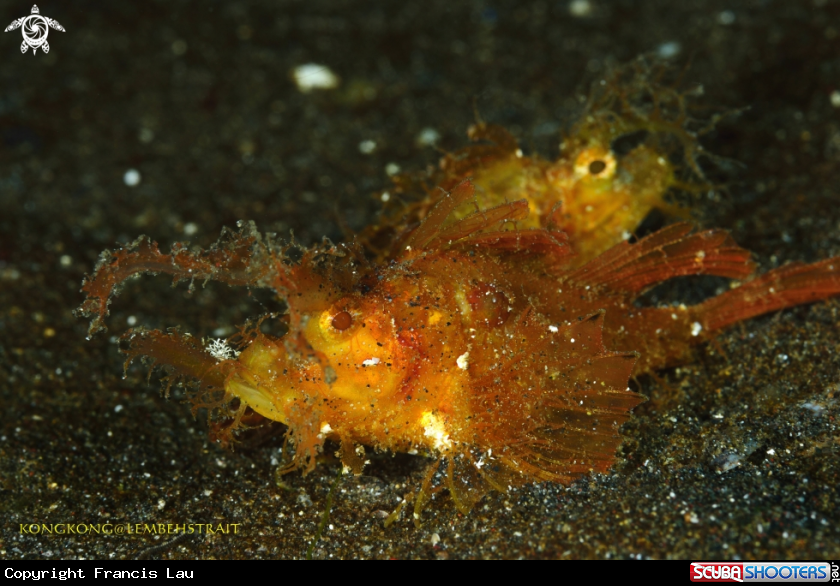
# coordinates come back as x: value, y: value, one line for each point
x: 670, y: 252
x: 431, y: 233
x: 483, y: 228
x: 431, y: 226
x: 478, y: 221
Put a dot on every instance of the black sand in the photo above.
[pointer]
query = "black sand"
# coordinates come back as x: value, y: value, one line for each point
x: 741, y: 459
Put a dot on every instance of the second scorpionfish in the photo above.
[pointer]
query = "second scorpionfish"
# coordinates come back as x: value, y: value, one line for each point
x: 487, y: 346
x: 634, y: 145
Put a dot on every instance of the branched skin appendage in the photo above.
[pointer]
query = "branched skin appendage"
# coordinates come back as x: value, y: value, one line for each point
x: 186, y: 358
x: 231, y: 260
x: 486, y: 346
x: 593, y: 193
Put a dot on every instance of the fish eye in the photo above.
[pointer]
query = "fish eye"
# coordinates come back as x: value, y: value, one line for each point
x: 342, y: 320
x: 595, y: 162
x: 596, y: 167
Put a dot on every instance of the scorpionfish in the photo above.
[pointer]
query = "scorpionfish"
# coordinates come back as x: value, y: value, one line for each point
x: 489, y: 323
x: 635, y: 144
x: 478, y: 343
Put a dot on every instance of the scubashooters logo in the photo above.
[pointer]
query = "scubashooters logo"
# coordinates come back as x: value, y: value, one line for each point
x: 35, y: 29
x: 761, y: 572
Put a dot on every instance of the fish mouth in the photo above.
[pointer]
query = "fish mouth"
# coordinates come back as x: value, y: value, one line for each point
x: 258, y: 382
x: 255, y: 396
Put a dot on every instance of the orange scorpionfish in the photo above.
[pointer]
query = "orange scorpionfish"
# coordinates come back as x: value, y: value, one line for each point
x: 635, y: 144
x: 484, y: 345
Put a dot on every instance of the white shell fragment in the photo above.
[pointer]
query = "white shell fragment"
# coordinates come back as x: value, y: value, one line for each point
x: 132, y: 178
x: 312, y: 76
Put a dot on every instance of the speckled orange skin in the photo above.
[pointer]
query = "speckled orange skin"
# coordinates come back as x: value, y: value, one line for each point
x: 478, y: 343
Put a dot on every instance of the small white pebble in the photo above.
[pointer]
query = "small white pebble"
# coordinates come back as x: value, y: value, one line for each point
x: 572, y: 340
x: 371, y: 361
x: 366, y: 147
x: 146, y: 135
x: 312, y: 76
x: 132, y: 178
x: 553, y: 329
x: 131, y: 320
x: 190, y: 228
x: 385, y: 196
x: 580, y: 8
x: 392, y: 169
x: 179, y: 47
x: 435, y: 539
x: 693, y: 518
x: 118, y: 408
x: 427, y: 137
x: 65, y: 260
x: 668, y: 49
x: 696, y: 328
x: 835, y: 98
x: 726, y: 17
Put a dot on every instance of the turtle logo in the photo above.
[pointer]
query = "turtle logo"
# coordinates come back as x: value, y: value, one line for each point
x: 35, y: 29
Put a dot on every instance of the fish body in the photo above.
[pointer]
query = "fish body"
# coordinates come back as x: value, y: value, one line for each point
x: 480, y: 344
